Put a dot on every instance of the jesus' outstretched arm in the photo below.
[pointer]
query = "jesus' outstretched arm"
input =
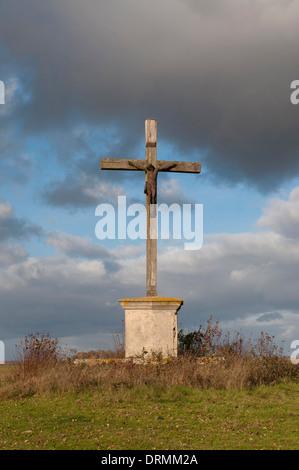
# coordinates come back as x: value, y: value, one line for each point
x: 167, y: 166
x: 139, y: 166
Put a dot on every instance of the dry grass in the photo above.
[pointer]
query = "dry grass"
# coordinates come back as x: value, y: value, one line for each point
x: 231, y: 373
x: 237, y: 364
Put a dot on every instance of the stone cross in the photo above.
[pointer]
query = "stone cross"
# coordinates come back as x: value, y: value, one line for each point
x: 151, y: 166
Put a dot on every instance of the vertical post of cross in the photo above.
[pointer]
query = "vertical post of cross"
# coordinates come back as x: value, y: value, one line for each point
x: 151, y: 213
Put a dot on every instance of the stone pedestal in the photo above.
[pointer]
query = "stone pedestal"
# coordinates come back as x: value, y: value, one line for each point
x: 151, y: 326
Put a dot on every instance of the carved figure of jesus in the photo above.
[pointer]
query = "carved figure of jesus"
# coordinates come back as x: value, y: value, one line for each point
x: 150, y: 188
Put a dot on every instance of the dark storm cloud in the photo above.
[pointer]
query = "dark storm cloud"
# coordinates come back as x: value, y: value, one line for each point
x: 69, y: 193
x: 14, y: 228
x: 79, y: 154
x: 78, y: 191
x: 216, y: 74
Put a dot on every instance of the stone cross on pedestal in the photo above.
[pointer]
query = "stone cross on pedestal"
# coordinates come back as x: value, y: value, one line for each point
x: 151, y: 321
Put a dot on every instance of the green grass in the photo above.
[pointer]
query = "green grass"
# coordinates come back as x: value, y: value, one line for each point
x: 147, y: 418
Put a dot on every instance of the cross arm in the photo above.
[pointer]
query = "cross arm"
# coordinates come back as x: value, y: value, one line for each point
x: 122, y: 164
x: 135, y: 165
x: 179, y: 167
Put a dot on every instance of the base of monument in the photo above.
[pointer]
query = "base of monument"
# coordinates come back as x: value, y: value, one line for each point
x: 151, y: 326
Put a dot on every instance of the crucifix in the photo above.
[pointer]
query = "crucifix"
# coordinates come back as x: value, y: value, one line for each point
x: 151, y: 166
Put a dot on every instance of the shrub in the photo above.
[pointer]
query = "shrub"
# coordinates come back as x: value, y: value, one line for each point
x: 210, y: 341
x: 37, y: 351
x: 203, y: 342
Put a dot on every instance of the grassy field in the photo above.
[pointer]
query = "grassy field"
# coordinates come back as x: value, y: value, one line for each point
x: 152, y: 417
x: 237, y: 399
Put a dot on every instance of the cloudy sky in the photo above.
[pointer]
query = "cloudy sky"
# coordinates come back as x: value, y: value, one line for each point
x: 81, y: 77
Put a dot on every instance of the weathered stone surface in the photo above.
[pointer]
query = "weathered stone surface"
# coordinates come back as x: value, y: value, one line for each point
x: 151, y: 326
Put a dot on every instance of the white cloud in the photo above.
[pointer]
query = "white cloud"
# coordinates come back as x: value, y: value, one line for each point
x: 74, y: 245
x: 11, y: 254
x: 170, y: 190
x: 6, y: 210
x: 282, y: 216
x: 102, y: 190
